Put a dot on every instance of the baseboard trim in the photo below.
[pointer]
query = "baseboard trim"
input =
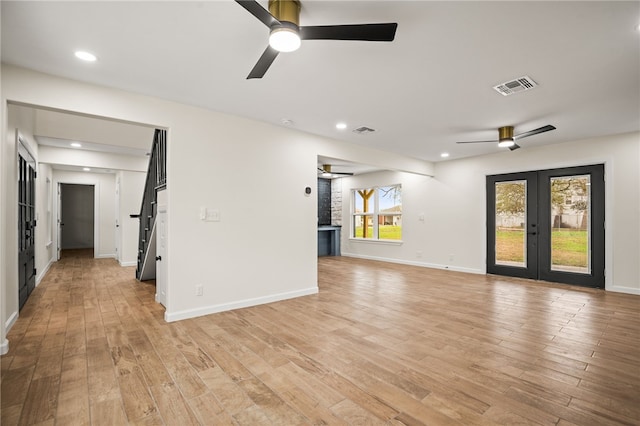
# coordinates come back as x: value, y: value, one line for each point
x: 105, y: 256
x: 414, y: 263
x: 626, y: 290
x: 616, y: 289
x: 206, y: 310
x: 4, y: 347
x: 11, y: 320
x: 130, y: 263
x: 43, y: 272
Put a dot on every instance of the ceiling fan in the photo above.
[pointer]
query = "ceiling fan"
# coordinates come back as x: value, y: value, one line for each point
x: 325, y: 171
x: 282, y: 18
x: 506, y: 139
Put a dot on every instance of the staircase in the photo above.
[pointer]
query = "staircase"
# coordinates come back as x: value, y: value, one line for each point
x: 156, y: 181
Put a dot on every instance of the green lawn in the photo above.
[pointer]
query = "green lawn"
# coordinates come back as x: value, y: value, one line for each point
x: 385, y: 232
x: 568, y: 246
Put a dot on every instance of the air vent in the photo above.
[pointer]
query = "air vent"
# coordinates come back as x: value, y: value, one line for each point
x: 363, y: 130
x: 514, y: 86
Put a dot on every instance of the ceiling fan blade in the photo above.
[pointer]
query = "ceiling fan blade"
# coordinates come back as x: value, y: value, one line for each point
x: 263, y: 64
x: 361, y: 32
x: 542, y: 129
x: 323, y: 171
x: 259, y: 12
x: 478, y: 142
x: 514, y: 147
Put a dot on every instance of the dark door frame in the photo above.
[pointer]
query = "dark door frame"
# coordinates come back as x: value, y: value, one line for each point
x: 26, y: 206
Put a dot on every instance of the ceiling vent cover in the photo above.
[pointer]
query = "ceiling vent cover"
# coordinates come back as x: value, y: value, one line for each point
x: 363, y: 130
x: 514, y: 86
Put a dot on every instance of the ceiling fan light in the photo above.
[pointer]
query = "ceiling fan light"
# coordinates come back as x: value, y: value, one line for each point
x: 284, y: 39
x: 506, y: 143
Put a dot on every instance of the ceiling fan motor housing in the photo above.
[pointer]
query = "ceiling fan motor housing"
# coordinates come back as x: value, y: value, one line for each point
x: 505, y: 133
x: 285, y: 10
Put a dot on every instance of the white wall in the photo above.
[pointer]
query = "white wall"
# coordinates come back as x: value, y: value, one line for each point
x: 45, y: 216
x: 264, y: 247
x: 105, y: 195
x: 455, y: 208
x: 92, y: 159
x: 89, y: 129
x: 130, y: 199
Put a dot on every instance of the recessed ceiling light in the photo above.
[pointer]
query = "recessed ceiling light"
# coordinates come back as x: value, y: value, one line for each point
x: 76, y: 145
x: 86, y: 169
x: 444, y: 155
x: 85, y: 56
x: 341, y: 126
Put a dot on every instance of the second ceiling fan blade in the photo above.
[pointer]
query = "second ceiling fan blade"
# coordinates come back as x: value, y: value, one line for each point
x: 263, y: 64
x: 477, y: 142
x: 254, y: 8
x: 542, y: 129
x: 361, y: 32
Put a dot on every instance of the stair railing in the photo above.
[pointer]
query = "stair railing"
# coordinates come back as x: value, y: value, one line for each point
x: 156, y: 180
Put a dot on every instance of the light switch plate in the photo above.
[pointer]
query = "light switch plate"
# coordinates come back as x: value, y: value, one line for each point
x: 213, y: 215
x: 209, y: 215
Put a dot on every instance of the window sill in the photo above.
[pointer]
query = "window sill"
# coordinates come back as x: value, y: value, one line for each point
x: 370, y: 241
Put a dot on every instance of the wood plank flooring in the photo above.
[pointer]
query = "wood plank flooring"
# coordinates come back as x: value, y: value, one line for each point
x: 380, y: 344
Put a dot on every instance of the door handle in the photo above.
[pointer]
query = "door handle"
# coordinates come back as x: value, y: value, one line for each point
x: 532, y: 233
x: 158, y: 258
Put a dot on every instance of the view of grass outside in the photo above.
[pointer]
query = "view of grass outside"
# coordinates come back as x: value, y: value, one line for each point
x: 385, y: 232
x: 568, y: 246
x: 510, y: 246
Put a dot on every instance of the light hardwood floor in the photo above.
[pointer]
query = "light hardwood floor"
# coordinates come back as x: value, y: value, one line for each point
x: 380, y: 344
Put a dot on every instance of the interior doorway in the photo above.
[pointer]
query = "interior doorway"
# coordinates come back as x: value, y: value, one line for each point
x: 548, y: 225
x: 76, y: 217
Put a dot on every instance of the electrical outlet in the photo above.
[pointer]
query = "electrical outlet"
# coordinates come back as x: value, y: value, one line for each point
x: 451, y: 257
x: 199, y: 290
x: 419, y: 253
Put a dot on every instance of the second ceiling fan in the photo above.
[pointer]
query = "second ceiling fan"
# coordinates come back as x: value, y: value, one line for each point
x: 506, y: 138
x: 282, y: 18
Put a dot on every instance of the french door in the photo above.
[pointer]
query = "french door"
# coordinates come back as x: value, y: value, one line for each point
x: 547, y: 225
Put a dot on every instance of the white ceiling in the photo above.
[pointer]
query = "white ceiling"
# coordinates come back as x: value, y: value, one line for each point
x: 423, y: 92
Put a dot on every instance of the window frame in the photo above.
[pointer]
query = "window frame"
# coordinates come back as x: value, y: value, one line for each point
x: 374, y: 213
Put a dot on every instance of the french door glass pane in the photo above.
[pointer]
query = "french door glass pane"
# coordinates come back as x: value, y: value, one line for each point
x: 511, y: 209
x: 570, y: 224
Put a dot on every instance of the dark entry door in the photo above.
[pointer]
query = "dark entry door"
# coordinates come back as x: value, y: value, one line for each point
x: 26, y: 224
x: 547, y: 225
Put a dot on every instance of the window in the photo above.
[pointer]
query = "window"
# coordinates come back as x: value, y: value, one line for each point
x: 377, y: 213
